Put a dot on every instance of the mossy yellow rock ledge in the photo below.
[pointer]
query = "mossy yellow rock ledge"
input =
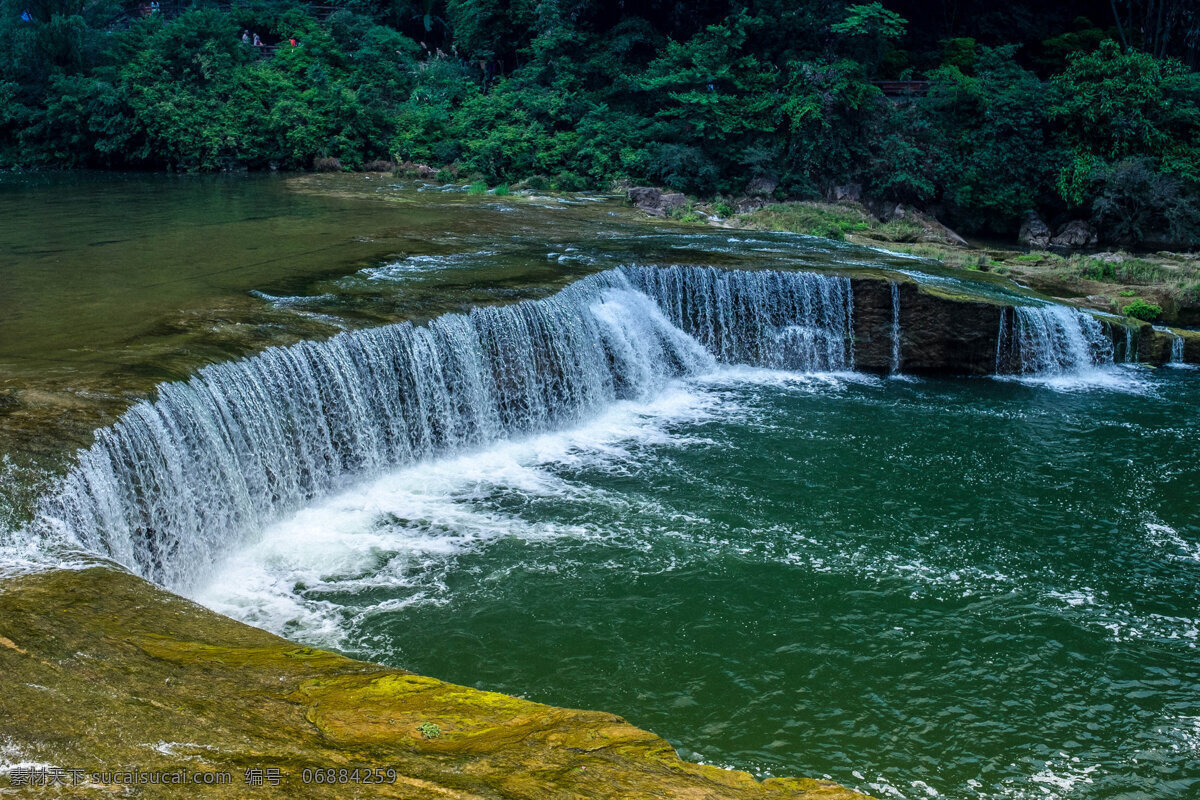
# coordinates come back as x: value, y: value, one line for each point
x: 106, y: 674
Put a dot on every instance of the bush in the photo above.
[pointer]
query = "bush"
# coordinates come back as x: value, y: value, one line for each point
x: 478, y: 187
x: 1140, y: 309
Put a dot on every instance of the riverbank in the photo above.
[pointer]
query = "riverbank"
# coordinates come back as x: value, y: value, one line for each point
x: 102, y: 672
x: 1115, y: 282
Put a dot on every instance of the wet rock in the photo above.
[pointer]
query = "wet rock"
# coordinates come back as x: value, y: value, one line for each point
x: 762, y: 186
x: 941, y: 333
x: 1191, y: 346
x: 1034, y: 233
x: 102, y: 671
x: 846, y: 193
x: 1075, y: 234
x: 653, y: 201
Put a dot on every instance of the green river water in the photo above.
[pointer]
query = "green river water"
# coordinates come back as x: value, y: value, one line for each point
x: 958, y: 588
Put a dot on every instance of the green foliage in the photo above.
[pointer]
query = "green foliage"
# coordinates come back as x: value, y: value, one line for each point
x: 1114, y: 105
x: 960, y: 53
x: 478, y: 187
x: 430, y: 730
x: 1140, y: 309
x: 871, y: 19
x: 693, y: 96
x: 501, y: 190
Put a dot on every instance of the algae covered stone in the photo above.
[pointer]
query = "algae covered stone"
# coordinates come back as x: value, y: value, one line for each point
x: 106, y: 677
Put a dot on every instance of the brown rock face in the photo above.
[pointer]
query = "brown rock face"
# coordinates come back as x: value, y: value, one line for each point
x: 103, y: 672
x: 1034, y: 232
x: 655, y: 202
x: 1075, y: 233
x: 940, y: 333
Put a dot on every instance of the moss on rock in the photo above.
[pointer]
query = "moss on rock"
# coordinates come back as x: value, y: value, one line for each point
x: 104, y: 672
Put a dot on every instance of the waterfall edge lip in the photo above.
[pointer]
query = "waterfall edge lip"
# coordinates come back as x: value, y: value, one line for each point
x: 177, y: 479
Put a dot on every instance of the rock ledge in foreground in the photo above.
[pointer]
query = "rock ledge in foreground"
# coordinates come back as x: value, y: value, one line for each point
x: 102, y: 671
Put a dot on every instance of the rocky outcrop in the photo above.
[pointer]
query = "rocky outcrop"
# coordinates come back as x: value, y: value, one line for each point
x: 941, y: 333
x: 103, y: 672
x: 1076, y: 234
x: 1155, y: 343
x: 422, y: 171
x: 745, y: 205
x: 944, y: 333
x: 1034, y: 232
x: 846, y: 193
x: 931, y: 229
x: 762, y: 186
x: 655, y: 202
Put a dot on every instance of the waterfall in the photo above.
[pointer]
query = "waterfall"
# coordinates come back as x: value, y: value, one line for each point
x: 1130, y: 355
x: 181, y: 479
x: 895, y: 367
x: 1176, y: 354
x: 782, y: 320
x: 1050, y: 340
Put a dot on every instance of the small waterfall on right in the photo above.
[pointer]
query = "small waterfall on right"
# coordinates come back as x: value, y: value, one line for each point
x: 1175, y: 359
x: 1051, y: 340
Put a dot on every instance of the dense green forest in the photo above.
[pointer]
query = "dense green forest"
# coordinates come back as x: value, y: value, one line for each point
x: 978, y: 110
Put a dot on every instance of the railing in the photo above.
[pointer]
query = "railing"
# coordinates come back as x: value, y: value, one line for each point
x: 902, y: 88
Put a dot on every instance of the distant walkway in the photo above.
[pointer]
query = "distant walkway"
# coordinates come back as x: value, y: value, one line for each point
x: 903, y: 88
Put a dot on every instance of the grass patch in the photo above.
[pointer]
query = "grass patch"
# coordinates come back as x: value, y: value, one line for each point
x: 478, y: 187
x: 814, y: 219
x: 501, y: 190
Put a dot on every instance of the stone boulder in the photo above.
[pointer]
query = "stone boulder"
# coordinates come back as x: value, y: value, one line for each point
x: 1075, y: 234
x: 744, y: 205
x: 1034, y: 232
x: 422, y: 171
x: 846, y: 193
x: 762, y: 186
x: 931, y: 229
x: 655, y: 202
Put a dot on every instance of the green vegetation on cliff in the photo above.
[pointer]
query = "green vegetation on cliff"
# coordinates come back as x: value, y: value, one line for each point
x: 1084, y: 110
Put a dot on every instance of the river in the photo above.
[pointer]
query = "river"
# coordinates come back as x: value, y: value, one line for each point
x: 630, y: 494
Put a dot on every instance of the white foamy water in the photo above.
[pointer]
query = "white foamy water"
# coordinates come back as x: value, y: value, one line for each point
x: 406, y: 267
x: 401, y: 531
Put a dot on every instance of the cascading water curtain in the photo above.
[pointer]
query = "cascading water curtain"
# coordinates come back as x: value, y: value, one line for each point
x: 1050, y: 340
x: 177, y: 481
